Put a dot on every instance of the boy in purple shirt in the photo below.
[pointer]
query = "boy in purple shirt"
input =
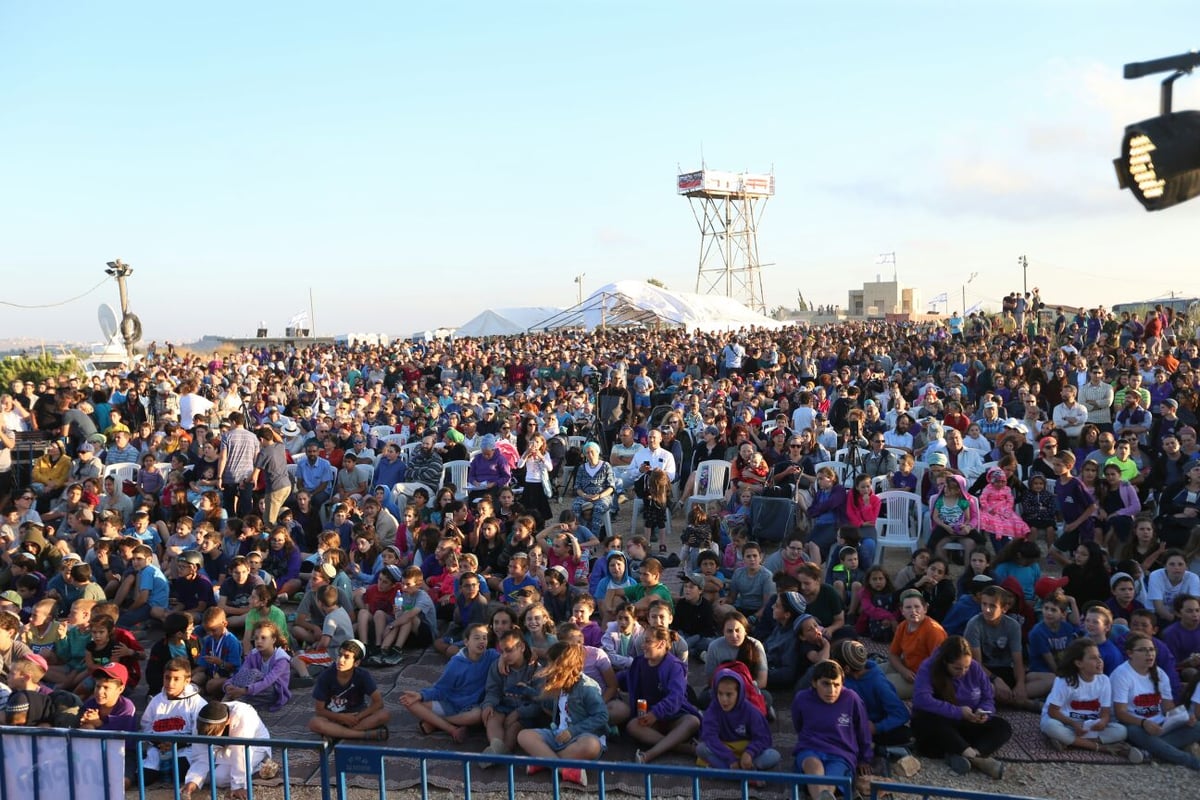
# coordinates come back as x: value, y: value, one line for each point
x: 833, y: 731
x: 1183, y: 637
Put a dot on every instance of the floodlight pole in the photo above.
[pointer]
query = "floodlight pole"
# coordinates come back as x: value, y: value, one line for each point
x: 1024, y: 262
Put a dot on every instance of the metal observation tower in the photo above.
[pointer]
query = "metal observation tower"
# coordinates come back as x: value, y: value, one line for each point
x: 728, y: 207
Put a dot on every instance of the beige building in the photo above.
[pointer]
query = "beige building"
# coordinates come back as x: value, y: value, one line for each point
x: 883, y: 298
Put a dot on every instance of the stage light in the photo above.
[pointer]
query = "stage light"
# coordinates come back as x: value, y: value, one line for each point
x: 1160, y: 156
x: 1160, y: 160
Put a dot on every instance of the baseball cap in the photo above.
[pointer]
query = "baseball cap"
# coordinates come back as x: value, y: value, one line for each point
x: 115, y: 671
x: 11, y: 597
x: 87, y: 447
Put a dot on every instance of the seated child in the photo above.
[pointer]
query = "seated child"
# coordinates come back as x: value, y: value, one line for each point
x: 262, y: 679
x: 335, y: 630
x: 177, y: 643
x: 414, y: 619
x: 172, y: 710
x: 220, y: 653
x: 452, y: 704
x: 833, y: 731
x: 733, y: 733
x: 579, y: 718
x: 349, y: 705
x: 509, y: 700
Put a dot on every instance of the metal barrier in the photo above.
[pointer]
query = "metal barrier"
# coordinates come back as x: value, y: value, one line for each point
x: 41, y: 777
x: 370, y: 760
x: 81, y: 779
x: 882, y: 789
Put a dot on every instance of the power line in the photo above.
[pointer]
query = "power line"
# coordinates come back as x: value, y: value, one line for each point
x: 60, y: 303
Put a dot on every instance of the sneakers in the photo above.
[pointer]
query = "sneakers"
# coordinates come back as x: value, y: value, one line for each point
x: 1123, y: 750
x: 302, y: 681
x: 988, y: 766
x: 392, y: 657
x: 534, y: 769
x: 574, y: 775
x: 268, y: 769
x: 958, y: 764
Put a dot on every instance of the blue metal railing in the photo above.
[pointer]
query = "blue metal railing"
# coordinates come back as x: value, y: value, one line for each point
x: 371, y: 760
x: 881, y: 789
x: 30, y: 788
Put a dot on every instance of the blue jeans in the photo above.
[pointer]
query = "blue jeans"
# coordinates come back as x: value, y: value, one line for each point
x: 1170, y: 747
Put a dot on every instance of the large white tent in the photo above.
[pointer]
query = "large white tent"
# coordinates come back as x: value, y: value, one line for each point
x: 505, y: 321
x: 635, y: 302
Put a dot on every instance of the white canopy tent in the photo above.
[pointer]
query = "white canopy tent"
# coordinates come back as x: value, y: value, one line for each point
x: 635, y: 302
x: 505, y: 321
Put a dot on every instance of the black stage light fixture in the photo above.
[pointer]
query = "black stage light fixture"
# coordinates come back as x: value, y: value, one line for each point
x: 1160, y: 159
x: 1160, y: 156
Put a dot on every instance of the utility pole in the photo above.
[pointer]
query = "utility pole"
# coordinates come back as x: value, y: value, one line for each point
x: 1024, y: 262
x: 579, y: 291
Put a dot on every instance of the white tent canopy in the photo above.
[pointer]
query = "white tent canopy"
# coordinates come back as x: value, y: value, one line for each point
x: 505, y: 321
x: 635, y: 302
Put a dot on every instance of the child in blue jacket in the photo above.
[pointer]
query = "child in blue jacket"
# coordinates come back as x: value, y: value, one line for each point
x: 453, y: 703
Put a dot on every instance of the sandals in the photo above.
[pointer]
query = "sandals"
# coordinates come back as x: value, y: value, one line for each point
x: 425, y: 728
x: 379, y: 734
x: 459, y: 736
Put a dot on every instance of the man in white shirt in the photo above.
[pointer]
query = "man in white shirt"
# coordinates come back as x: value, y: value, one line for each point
x: 900, y: 436
x: 1097, y: 397
x: 1069, y: 415
x: 653, y: 457
x: 621, y: 457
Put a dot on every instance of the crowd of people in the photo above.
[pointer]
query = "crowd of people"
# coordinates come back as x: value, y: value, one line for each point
x: 322, y: 512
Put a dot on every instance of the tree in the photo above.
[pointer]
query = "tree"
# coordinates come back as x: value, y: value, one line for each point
x: 656, y: 282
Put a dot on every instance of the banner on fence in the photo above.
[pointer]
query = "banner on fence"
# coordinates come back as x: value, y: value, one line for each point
x: 50, y: 778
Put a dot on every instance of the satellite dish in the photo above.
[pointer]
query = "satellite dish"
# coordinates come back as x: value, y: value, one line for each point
x: 108, y: 320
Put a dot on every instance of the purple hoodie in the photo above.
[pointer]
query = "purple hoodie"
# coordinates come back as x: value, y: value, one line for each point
x: 743, y: 723
x: 664, y: 688
x: 841, y: 728
x: 972, y: 689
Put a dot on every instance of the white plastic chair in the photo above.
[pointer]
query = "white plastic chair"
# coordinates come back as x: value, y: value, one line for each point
x: 455, y: 472
x: 163, y: 468
x: 407, y: 450
x: 398, y: 439
x: 898, y: 524
x: 718, y: 476
x: 123, y: 473
x: 291, y: 471
x: 881, y: 484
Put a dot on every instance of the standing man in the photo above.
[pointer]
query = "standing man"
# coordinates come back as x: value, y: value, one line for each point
x: 238, y: 450
x: 732, y: 356
x: 614, y: 408
x: 1097, y: 397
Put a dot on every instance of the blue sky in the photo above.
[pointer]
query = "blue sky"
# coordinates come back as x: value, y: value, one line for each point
x: 415, y: 164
